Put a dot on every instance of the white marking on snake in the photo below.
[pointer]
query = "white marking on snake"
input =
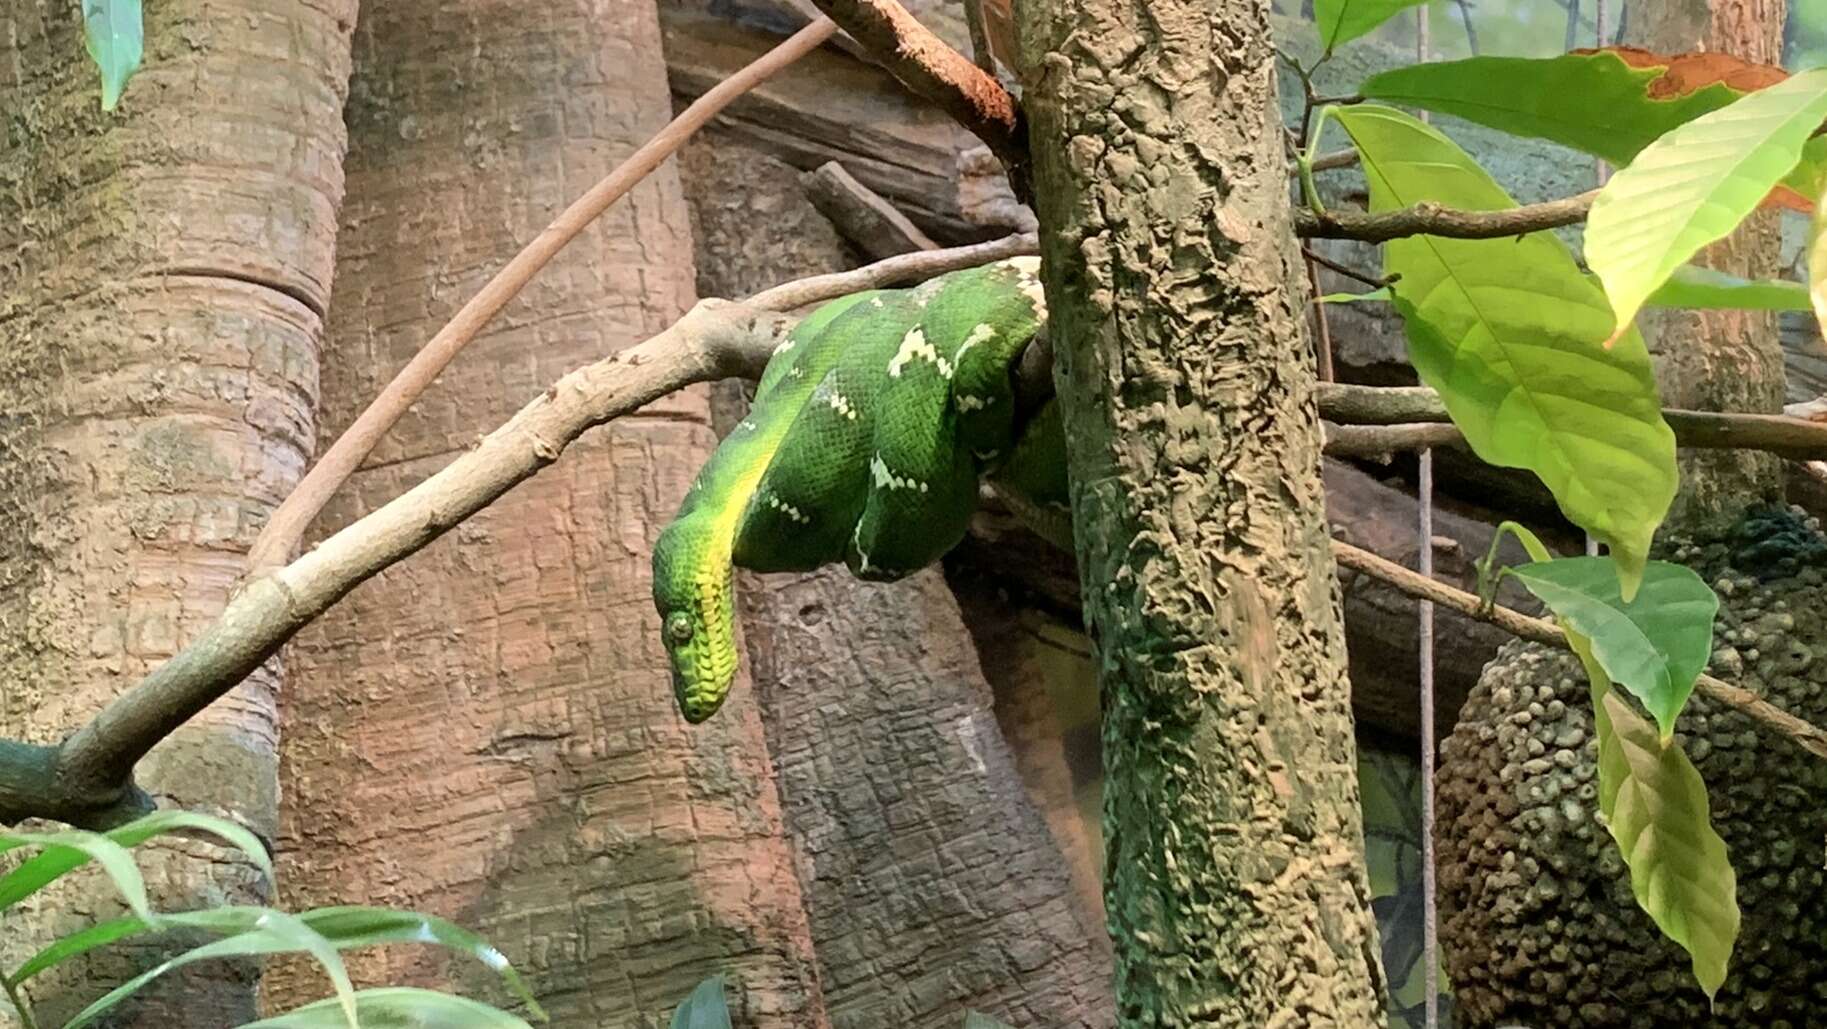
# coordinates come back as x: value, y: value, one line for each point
x: 746, y: 425
x: 862, y: 556
x: 971, y: 402
x: 981, y: 334
x: 1027, y: 271
x: 793, y: 513
x: 914, y: 345
x: 841, y: 404
x: 785, y: 345
x: 884, y: 476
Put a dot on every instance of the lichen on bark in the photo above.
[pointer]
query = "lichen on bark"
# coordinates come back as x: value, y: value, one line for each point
x: 1235, y: 883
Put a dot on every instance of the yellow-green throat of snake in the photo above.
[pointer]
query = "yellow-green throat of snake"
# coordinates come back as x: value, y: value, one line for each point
x: 871, y: 428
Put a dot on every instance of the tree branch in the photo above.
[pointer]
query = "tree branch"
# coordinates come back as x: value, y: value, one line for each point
x: 934, y: 71
x: 1431, y: 219
x: 289, y: 521
x: 87, y: 780
x: 1806, y: 735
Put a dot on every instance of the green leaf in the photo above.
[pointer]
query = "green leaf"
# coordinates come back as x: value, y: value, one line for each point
x: 161, y: 823
x: 1694, y: 186
x: 705, y: 1008
x: 349, y: 927
x: 1341, y: 21
x: 270, y: 932
x: 63, y: 852
x: 1655, y: 646
x: 1511, y: 332
x: 346, y: 928
x: 1594, y: 101
x: 113, y: 32
x: 397, y: 1008
x: 1655, y: 806
x: 1696, y: 287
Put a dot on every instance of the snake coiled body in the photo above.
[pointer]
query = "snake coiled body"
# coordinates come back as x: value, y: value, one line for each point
x: 870, y: 431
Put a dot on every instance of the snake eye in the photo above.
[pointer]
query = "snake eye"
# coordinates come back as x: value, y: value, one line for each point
x: 678, y: 628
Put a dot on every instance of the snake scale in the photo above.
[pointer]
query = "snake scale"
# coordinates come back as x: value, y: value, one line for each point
x: 871, y: 429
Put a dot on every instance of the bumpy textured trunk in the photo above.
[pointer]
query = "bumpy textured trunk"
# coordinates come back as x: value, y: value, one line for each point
x: 1721, y: 360
x: 163, y: 272
x: 488, y: 731
x: 1235, y: 881
x: 931, y: 881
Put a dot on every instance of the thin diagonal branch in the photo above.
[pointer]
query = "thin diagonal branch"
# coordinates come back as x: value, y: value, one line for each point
x: 87, y: 780
x: 1805, y: 734
x: 287, y: 526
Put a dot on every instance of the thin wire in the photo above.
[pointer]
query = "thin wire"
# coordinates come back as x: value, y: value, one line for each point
x: 1424, y: 496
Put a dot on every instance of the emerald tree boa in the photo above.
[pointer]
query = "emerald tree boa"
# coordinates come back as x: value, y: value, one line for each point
x: 872, y: 427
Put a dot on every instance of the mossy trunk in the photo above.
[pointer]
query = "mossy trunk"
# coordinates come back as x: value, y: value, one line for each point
x: 164, y: 269
x: 1235, y: 882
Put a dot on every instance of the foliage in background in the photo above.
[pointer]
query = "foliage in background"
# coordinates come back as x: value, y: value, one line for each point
x: 242, y: 931
x: 1542, y: 369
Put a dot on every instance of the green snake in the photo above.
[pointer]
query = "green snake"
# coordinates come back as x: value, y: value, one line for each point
x: 871, y: 429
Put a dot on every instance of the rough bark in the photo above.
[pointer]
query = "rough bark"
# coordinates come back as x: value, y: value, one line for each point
x: 931, y: 880
x: 1235, y: 882
x: 488, y: 732
x: 163, y: 269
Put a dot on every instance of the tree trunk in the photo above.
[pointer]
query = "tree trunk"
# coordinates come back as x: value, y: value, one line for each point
x: 1721, y: 360
x: 932, y: 883
x: 163, y: 273
x: 488, y: 730
x: 1235, y: 880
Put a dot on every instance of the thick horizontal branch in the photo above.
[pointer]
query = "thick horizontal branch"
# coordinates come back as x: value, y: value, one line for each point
x: 929, y: 67
x: 87, y: 780
x: 1431, y: 219
x: 1808, y: 736
x: 1413, y: 417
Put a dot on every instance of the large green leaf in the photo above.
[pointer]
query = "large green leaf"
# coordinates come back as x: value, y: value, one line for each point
x: 113, y: 32
x: 1595, y: 101
x: 704, y: 1008
x: 1655, y: 805
x: 1511, y: 333
x: 60, y: 852
x: 1341, y: 21
x: 272, y: 932
x: 1694, y: 286
x: 397, y: 1008
x: 349, y: 927
x: 65, y: 852
x: 1655, y: 646
x: 345, y: 928
x: 1694, y: 185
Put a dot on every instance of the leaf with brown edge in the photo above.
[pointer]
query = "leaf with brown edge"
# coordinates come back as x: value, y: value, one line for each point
x: 1611, y: 103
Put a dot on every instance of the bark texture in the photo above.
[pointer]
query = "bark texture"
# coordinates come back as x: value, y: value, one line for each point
x: 163, y: 270
x: 488, y: 731
x: 1235, y: 882
x: 1721, y: 360
x: 932, y: 883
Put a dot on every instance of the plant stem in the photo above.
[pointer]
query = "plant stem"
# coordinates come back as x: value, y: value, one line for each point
x: 17, y: 999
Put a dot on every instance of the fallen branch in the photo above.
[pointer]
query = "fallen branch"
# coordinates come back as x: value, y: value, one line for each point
x: 1806, y: 735
x: 929, y: 67
x: 286, y: 528
x: 1431, y: 219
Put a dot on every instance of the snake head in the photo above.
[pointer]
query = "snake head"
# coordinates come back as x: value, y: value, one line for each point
x: 692, y: 593
x: 699, y: 681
